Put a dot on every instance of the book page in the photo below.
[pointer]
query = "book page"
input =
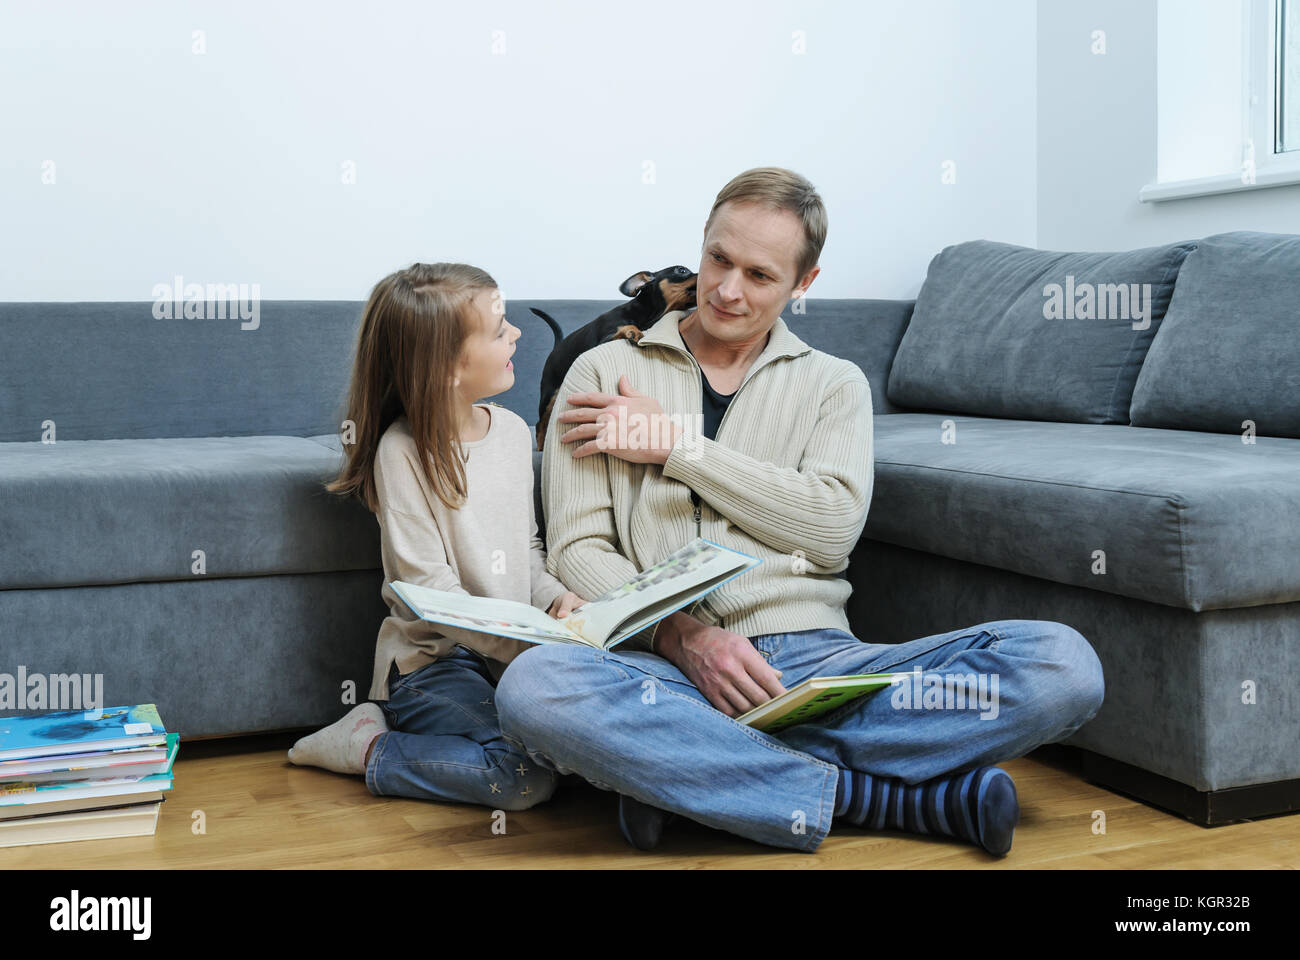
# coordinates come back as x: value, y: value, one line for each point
x: 505, y: 618
x: 683, y: 575
x: 644, y: 618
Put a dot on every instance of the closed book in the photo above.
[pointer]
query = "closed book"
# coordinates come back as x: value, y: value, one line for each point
x: 134, y: 821
x: 20, y: 793
x: 814, y: 697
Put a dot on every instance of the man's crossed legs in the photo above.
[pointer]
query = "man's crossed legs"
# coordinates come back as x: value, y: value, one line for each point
x: 633, y: 723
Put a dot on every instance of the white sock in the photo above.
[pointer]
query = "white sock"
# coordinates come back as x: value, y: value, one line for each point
x: 342, y: 745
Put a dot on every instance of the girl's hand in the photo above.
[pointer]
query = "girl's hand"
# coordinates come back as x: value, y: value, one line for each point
x: 565, y: 604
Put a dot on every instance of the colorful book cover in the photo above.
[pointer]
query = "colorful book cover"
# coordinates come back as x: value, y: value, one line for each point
x: 73, y: 731
x: 814, y: 697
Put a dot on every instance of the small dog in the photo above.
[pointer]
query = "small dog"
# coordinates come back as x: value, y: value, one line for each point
x: 653, y: 295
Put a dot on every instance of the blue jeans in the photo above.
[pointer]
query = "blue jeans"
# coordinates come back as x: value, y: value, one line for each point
x: 446, y: 744
x: 632, y: 722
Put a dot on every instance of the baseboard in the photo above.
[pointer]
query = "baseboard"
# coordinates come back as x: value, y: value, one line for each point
x: 1206, y: 808
x: 233, y: 744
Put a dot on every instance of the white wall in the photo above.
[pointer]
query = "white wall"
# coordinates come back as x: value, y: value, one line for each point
x: 1097, y: 128
x: 225, y: 166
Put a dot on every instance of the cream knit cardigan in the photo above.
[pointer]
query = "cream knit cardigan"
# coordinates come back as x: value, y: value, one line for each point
x: 788, y: 479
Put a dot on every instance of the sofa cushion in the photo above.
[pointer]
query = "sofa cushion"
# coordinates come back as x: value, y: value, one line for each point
x: 1193, y: 520
x: 119, y: 372
x: 1007, y: 331
x: 81, y: 512
x: 866, y: 332
x: 1229, y: 348
x: 114, y: 371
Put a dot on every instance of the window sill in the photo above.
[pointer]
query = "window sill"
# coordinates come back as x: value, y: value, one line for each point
x: 1226, y: 183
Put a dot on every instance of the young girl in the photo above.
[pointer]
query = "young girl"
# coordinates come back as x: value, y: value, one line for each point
x: 451, y: 484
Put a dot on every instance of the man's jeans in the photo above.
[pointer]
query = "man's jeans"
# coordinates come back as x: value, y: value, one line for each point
x: 633, y: 723
x: 446, y: 744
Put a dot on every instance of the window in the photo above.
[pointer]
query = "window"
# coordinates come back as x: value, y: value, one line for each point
x: 1287, y: 119
x: 1228, y: 90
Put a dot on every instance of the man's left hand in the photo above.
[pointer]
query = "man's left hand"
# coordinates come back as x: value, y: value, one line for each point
x: 646, y: 436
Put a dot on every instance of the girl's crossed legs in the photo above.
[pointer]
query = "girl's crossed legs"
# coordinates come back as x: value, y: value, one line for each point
x: 445, y: 742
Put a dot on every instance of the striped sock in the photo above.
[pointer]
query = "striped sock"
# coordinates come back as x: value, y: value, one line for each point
x: 978, y: 805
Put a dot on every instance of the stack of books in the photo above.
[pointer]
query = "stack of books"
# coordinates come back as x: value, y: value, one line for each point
x: 83, y: 774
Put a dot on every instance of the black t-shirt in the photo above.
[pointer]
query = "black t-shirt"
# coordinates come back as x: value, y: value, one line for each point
x: 715, y: 405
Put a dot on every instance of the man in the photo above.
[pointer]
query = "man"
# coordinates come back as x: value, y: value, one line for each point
x: 782, y: 470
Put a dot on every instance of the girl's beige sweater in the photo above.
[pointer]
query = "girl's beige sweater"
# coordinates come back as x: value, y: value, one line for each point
x: 487, y: 548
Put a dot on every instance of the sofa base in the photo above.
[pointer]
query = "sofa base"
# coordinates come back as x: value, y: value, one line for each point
x: 1206, y: 808
x: 219, y: 656
x: 1205, y: 700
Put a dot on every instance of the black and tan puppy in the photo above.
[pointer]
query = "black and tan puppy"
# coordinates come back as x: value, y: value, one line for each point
x: 653, y: 295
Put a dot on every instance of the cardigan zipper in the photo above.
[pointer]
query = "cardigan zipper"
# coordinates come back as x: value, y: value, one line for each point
x: 699, y: 370
x: 748, y: 377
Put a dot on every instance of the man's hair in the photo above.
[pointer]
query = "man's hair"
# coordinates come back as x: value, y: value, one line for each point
x: 783, y: 190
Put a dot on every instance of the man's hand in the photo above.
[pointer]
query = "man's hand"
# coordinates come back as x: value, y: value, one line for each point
x: 647, y: 434
x: 724, y: 666
x: 565, y: 604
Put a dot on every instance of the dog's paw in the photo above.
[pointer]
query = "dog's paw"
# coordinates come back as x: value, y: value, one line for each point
x: 629, y: 332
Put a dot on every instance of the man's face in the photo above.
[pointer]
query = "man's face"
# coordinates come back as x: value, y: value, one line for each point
x: 747, y: 270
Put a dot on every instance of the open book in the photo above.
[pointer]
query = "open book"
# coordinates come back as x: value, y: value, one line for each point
x: 679, y: 579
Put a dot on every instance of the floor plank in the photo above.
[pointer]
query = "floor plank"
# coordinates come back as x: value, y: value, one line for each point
x: 260, y: 811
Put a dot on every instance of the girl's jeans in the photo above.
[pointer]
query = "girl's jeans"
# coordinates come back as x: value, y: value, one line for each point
x: 446, y: 743
x: 632, y: 722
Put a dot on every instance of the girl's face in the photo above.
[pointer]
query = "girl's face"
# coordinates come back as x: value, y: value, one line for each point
x: 485, y: 369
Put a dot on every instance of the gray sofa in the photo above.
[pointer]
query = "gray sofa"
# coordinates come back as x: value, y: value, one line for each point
x: 175, y: 538
x: 1193, y: 602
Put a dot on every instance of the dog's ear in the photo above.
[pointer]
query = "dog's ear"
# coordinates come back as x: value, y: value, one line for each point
x: 632, y: 284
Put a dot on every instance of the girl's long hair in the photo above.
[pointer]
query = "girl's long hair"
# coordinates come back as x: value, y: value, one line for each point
x: 412, y: 332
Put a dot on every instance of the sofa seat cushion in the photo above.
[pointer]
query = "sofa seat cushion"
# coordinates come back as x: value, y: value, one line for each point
x: 80, y: 512
x: 1196, y: 520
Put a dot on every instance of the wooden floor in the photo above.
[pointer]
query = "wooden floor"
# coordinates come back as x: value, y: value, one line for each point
x: 263, y: 812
